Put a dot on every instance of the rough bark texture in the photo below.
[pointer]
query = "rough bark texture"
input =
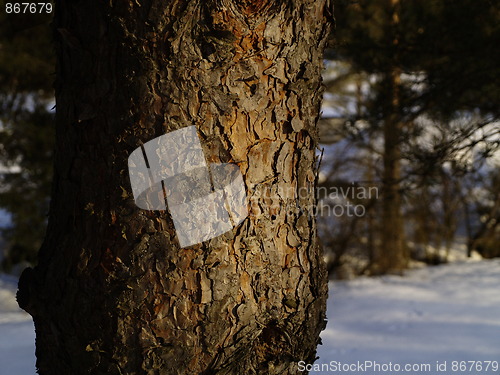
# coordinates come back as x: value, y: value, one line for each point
x: 113, y: 293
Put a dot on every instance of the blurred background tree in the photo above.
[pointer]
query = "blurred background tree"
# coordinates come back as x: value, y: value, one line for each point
x: 26, y: 132
x: 413, y: 91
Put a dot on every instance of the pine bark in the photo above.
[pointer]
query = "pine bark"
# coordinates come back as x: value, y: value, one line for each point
x: 112, y: 292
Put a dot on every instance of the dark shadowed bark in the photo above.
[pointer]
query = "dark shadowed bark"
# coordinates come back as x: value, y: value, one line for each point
x: 113, y: 292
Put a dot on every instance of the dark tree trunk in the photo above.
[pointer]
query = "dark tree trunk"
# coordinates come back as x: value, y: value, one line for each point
x: 113, y: 292
x: 393, y: 255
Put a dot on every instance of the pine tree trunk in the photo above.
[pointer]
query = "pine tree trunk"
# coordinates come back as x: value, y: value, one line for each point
x: 113, y: 292
x: 392, y: 256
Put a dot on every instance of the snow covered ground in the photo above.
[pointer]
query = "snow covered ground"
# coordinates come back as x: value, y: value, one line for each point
x: 17, y: 336
x: 433, y: 316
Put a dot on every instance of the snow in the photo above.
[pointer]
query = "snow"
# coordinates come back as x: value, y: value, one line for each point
x: 17, y: 336
x: 4, y: 218
x: 429, y: 316
x: 434, y: 314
